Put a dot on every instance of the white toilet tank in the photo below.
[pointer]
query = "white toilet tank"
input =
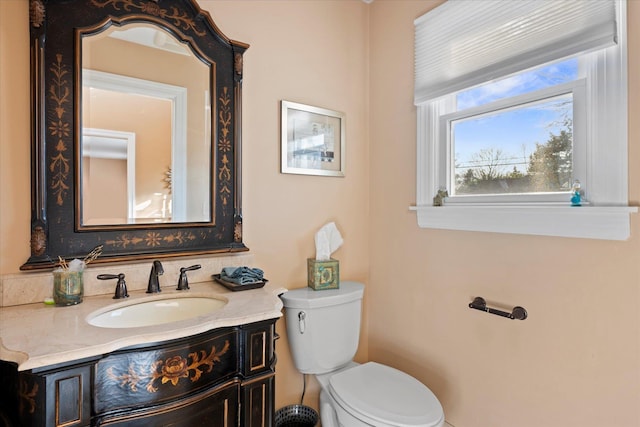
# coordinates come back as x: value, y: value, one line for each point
x: 323, y: 327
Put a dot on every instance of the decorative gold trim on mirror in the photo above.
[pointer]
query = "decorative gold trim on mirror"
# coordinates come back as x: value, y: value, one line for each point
x: 237, y: 231
x: 151, y: 239
x: 225, y: 117
x: 60, y: 128
x: 38, y: 241
x: 179, y: 18
x: 36, y: 13
x: 238, y: 63
x: 170, y: 370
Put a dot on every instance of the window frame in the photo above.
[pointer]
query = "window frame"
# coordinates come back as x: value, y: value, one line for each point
x: 445, y: 175
x: 605, y: 182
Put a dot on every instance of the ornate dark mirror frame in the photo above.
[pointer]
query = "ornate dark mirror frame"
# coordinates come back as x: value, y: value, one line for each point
x: 56, y: 140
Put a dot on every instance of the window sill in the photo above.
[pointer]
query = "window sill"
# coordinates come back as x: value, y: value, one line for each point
x: 589, y: 222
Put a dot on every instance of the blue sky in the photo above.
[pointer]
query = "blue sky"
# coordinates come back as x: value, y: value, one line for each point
x: 514, y: 132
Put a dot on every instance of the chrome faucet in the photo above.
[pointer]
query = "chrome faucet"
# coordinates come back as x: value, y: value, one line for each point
x: 154, y: 283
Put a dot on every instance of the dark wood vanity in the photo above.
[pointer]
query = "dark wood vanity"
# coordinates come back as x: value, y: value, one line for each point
x: 224, y: 377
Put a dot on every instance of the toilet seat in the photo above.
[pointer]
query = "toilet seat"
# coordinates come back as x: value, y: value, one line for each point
x: 381, y: 395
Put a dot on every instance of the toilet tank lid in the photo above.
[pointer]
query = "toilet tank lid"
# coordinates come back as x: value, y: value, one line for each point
x: 309, y: 298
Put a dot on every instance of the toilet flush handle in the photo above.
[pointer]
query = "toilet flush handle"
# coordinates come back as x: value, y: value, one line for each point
x: 301, y: 324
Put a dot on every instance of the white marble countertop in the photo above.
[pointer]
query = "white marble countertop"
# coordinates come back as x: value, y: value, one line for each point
x: 38, y: 335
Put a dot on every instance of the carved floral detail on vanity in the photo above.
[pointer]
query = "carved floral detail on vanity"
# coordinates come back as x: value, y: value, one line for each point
x: 170, y: 370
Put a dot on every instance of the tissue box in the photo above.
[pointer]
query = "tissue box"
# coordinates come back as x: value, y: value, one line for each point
x: 323, y: 274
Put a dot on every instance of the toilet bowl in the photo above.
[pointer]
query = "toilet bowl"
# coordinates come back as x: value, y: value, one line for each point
x: 323, y: 330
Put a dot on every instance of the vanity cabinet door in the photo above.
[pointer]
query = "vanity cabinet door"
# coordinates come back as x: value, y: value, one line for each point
x: 58, y: 398
x: 259, y: 403
x: 258, y: 367
x: 258, y: 354
x: 71, y: 392
x: 213, y: 408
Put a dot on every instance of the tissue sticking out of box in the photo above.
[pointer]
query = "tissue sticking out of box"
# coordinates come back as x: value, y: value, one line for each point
x: 328, y: 240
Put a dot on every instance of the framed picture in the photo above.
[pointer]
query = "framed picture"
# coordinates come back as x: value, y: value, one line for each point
x: 312, y: 140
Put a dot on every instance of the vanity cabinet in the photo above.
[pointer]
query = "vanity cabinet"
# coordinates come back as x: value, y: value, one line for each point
x: 224, y: 377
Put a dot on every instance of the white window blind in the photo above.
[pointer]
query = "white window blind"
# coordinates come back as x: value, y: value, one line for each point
x: 463, y: 43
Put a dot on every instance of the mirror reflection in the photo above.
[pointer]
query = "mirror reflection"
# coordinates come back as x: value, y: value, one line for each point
x: 145, y: 129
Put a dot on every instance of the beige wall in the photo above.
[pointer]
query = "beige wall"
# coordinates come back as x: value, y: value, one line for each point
x: 127, y: 112
x: 574, y: 362
x: 312, y: 52
x: 15, y: 193
x: 104, y: 184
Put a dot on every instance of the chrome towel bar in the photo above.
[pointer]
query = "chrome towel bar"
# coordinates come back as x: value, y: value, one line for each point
x: 518, y: 312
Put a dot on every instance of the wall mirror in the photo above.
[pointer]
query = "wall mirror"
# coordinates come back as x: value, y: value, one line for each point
x: 136, y: 131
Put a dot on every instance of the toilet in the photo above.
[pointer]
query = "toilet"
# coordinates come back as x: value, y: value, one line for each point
x: 323, y: 328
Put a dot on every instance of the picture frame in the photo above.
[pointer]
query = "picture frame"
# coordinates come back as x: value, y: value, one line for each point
x: 312, y: 140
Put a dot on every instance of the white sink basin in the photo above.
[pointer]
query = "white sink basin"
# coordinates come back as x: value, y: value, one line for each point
x: 155, y: 312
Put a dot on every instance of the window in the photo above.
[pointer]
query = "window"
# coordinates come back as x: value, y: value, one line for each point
x: 516, y: 109
x: 514, y: 136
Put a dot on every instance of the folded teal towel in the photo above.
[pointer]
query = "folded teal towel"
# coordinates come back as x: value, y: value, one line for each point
x: 242, y: 275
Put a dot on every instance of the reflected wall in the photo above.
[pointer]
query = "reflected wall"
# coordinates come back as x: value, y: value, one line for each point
x: 132, y: 78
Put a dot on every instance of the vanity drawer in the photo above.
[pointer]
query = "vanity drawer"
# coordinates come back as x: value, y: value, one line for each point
x: 139, y: 377
x: 212, y: 408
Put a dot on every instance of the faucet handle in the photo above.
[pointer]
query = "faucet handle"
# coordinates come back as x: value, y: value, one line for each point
x: 121, y: 286
x: 183, y: 282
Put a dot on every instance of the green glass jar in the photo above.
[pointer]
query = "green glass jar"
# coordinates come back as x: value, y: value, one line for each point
x: 68, y: 287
